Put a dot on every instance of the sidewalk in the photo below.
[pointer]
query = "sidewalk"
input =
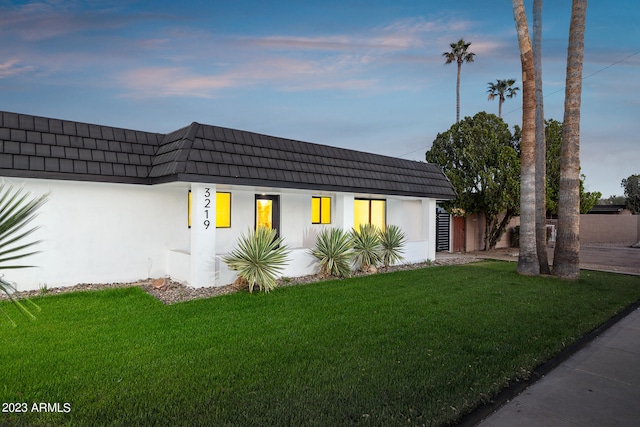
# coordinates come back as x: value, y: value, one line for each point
x: 597, y: 386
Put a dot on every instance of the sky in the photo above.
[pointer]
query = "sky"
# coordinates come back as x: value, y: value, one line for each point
x: 363, y: 75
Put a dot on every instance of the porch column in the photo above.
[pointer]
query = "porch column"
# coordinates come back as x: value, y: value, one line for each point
x: 429, y: 227
x: 203, y: 234
x: 344, y: 211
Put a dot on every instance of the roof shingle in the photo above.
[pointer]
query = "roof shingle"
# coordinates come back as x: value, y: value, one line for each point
x: 49, y: 148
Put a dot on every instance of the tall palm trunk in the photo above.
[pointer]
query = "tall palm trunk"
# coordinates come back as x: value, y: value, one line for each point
x: 528, y: 258
x: 458, y: 92
x: 541, y: 145
x: 566, y: 261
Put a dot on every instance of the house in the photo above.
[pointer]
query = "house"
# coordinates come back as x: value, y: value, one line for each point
x: 126, y: 205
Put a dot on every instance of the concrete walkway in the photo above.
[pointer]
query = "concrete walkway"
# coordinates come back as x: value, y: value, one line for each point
x: 597, y: 386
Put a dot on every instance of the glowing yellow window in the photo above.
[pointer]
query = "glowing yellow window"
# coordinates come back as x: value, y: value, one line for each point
x: 264, y: 213
x: 223, y: 210
x: 367, y: 211
x: 321, y: 210
x: 378, y: 213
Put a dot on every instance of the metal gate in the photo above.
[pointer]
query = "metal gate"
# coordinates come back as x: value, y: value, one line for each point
x: 443, y: 223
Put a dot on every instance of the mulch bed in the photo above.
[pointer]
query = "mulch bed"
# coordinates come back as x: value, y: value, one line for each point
x: 171, y: 292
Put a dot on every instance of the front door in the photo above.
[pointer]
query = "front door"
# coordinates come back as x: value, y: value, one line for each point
x: 268, y: 212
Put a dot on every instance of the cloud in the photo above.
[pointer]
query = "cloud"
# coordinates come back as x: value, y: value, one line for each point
x: 12, y: 68
x: 287, y: 74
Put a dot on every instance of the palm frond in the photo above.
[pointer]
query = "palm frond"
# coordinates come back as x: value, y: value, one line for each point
x: 17, y: 210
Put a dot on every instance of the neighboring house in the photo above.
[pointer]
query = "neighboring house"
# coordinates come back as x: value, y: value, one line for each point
x: 609, y: 210
x: 126, y: 205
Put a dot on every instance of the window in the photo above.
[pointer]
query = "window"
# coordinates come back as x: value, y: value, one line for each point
x: 321, y: 210
x: 267, y: 211
x: 223, y: 210
x: 369, y: 211
x: 264, y: 213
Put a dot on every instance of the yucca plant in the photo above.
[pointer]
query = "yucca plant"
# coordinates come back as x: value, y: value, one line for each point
x: 366, y: 246
x: 17, y: 210
x: 259, y: 258
x: 333, y: 250
x: 392, y: 240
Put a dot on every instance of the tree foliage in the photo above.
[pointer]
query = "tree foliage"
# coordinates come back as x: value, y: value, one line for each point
x: 502, y: 89
x: 631, y: 187
x: 480, y: 157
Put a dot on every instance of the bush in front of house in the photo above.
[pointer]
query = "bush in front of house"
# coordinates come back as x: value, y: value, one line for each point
x: 259, y: 258
x: 333, y: 249
x: 392, y: 240
x: 366, y: 246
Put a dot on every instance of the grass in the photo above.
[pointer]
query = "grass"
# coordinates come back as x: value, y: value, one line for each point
x: 420, y: 347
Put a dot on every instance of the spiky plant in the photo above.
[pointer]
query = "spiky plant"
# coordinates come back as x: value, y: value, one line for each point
x: 17, y: 210
x: 259, y: 258
x: 366, y: 246
x: 333, y: 250
x: 392, y: 240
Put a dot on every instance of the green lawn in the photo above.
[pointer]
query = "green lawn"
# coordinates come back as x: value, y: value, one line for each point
x: 408, y: 348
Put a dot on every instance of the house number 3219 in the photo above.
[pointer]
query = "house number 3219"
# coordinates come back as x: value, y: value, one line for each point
x: 207, y: 206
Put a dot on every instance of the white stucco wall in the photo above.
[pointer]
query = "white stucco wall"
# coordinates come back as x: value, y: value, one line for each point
x: 100, y: 232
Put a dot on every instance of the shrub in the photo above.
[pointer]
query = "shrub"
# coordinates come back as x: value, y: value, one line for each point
x: 392, y: 240
x: 366, y: 246
x: 333, y: 250
x: 259, y: 258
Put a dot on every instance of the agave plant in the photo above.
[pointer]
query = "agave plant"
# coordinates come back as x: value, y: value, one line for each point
x: 259, y: 258
x: 366, y: 246
x: 392, y: 240
x: 333, y: 250
x: 17, y: 210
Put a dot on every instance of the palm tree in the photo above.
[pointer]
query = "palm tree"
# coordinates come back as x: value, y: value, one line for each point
x: 459, y: 54
x: 16, y: 211
x: 566, y: 262
x: 528, y: 258
x: 541, y: 144
x: 502, y: 89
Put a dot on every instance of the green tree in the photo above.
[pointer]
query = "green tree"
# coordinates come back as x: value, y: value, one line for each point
x: 502, y: 89
x: 566, y: 261
x: 613, y: 200
x: 479, y: 155
x: 631, y: 187
x: 459, y: 54
x: 528, y: 256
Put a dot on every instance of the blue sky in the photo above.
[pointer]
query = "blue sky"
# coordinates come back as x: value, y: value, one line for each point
x: 365, y: 75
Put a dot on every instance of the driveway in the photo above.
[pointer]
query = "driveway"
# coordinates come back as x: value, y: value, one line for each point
x: 622, y: 259
x: 619, y: 259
